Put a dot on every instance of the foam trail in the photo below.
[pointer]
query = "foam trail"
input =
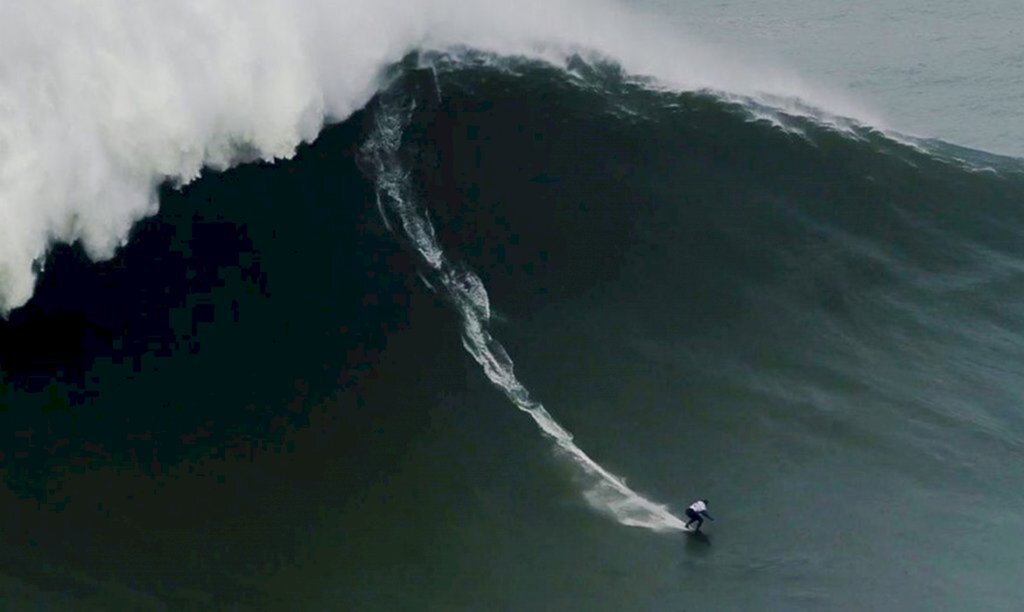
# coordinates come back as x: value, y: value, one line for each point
x: 603, y: 490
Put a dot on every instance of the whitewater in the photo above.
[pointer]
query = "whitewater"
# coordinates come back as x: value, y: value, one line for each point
x: 103, y: 102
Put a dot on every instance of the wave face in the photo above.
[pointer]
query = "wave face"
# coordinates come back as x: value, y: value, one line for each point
x: 730, y: 284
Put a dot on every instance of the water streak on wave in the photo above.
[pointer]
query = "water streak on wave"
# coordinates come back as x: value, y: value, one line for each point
x: 605, y: 491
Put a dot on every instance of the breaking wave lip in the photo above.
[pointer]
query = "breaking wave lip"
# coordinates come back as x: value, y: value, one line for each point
x: 603, y: 490
x: 593, y: 71
x: 100, y: 103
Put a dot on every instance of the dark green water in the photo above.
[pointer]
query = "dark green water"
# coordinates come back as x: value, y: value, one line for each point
x: 259, y: 404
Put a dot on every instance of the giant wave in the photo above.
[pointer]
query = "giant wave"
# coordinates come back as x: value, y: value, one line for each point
x: 716, y: 293
x: 128, y: 102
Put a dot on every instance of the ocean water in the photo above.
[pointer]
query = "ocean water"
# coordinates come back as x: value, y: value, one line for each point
x: 543, y: 279
x: 944, y: 70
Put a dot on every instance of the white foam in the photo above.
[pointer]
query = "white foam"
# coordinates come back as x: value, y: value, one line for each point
x: 602, y: 489
x: 102, y: 101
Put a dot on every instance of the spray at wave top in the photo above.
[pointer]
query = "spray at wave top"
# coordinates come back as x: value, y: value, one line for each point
x: 100, y: 102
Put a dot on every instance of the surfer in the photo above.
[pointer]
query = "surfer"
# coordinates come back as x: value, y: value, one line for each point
x: 697, y: 512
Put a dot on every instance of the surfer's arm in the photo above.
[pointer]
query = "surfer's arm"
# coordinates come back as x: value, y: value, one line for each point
x: 705, y: 513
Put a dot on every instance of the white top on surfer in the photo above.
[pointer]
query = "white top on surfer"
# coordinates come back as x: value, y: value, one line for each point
x: 696, y: 513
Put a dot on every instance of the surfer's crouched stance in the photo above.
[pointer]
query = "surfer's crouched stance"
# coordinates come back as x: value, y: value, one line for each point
x: 697, y: 511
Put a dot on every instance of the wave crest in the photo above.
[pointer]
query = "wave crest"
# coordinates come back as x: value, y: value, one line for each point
x: 103, y: 102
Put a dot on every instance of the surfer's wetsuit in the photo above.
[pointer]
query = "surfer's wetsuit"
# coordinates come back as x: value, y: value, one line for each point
x: 697, y: 511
